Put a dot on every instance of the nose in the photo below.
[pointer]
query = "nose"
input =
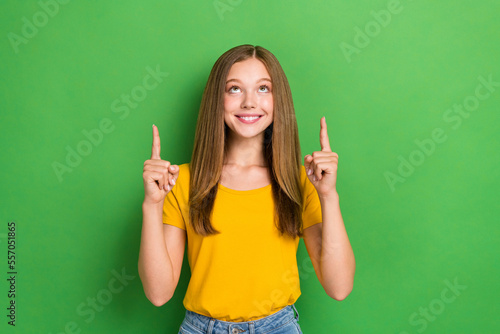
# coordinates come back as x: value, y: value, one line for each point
x: 248, y: 101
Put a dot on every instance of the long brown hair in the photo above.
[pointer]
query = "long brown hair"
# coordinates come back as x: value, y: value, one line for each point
x: 281, y: 146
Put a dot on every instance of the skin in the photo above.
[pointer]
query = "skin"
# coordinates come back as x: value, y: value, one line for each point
x: 159, y: 175
x: 327, y: 243
x: 162, y: 246
x: 321, y: 166
x: 244, y: 166
x: 246, y: 93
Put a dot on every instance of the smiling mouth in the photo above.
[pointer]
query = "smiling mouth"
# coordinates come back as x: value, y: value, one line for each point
x: 249, y: 118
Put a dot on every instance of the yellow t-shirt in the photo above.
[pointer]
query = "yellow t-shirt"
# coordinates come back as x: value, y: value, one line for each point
x: 247, y: 271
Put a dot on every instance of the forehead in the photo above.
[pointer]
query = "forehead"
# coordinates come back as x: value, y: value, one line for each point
x: 248, y: 70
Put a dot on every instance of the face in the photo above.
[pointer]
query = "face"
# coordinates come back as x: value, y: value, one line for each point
x: 248, y: 99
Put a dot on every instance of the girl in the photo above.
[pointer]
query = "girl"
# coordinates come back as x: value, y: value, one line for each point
x: 243, y: 202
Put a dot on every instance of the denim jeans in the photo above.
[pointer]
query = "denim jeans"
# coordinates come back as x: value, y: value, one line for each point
x: 282, y: 322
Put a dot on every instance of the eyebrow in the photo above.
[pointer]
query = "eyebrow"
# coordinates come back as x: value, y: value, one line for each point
x: 261, y: 79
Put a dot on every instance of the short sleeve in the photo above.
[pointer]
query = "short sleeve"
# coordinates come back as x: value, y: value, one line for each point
x: 171, y: 211
x: 175, y: 200
x: 311, y: 213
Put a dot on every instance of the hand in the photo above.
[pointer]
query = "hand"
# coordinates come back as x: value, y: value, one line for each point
x: 158, y: 175
x: 321, y: 166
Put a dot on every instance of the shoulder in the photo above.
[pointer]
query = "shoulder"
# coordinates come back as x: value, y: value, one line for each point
x: 304, y: 180
x: 182, y: 183
x: 303, y: 174
x: 183, y: 172
x: 306, y: 185
x: 184, y: 169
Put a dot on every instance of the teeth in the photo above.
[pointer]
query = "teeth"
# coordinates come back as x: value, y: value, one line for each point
x: 249, y: 118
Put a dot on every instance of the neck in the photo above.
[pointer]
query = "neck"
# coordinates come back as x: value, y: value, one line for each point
x: 245, y: 152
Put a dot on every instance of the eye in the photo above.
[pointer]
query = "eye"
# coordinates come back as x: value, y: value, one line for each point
x: 231, y: 89
x: 265, y: 87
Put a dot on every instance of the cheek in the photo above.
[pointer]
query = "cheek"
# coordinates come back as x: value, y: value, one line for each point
x: 230, y: 104
x: 267, y: 104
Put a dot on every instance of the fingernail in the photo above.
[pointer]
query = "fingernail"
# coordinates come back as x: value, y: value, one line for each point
x: 314, y: 177
x: 173, y: 181
x: 309, y: 171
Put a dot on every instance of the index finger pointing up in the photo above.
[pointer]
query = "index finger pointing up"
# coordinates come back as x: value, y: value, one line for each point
x: 323, y: 136
x: 155, y: 151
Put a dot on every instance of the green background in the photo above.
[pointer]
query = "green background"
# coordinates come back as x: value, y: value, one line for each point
x: 439, y: 225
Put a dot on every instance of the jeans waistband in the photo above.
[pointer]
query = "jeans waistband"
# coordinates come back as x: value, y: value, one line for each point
x: 212, y: 325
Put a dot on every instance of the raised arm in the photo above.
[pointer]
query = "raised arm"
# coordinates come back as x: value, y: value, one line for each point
x: 162, y: 246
